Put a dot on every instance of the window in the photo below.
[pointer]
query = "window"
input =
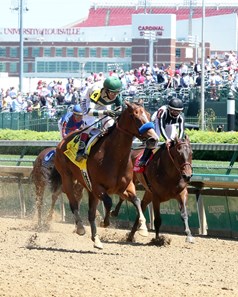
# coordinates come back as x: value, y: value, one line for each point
x: 13, y: 52
x: 2, y: 67
x: 58, y: 52
x: 93, y: 52
x: 127, y: 52
x: 178, y: 53
x: 26, y: 67
x: 116, y: 52
x: 105, y: 52
x: 69, y: 52
x: 26, y: 52
x: 40, y: 67
x: 13, y: 67
x: 47, y: 52
x: 2, y: 52
x: 33, y: 67
x: 52, y: 67
x: 58, y: 66
x: 81, y: 52
x: 35, y: 52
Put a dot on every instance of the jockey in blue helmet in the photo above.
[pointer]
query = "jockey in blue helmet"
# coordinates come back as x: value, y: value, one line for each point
x: 71, y: 121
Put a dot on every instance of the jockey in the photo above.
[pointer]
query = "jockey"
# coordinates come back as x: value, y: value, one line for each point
x: 71, y: 121
x: 97, y: 103
x: 167, y: 118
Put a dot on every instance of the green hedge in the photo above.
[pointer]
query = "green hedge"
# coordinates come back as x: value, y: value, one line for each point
x: 195, y: 137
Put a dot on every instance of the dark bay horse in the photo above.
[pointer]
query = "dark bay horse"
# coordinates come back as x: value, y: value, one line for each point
x: 40, y: 177
x: 165, y: 177
x: 109, y: 168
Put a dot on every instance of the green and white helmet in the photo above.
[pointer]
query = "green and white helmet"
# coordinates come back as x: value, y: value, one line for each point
x: 112, y: 84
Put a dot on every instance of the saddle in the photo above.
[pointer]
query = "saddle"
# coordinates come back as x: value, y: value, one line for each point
x: 72, y: 148
x: 71, y: 151
x: 141, y: 169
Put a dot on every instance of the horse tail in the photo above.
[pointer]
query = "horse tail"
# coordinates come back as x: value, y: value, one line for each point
x: 55, y: 180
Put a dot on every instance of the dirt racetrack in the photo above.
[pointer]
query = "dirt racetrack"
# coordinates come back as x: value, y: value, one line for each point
x: 59, y: 263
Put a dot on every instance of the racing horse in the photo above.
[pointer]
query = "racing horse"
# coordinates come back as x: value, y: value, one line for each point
x: 165, y: 177
x: 40, y: 177
x: 109, y: 167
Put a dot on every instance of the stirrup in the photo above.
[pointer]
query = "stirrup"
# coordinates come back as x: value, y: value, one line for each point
x: 81, y: 156
x: 142, y: 163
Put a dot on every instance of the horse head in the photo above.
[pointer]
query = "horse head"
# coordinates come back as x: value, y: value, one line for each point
x: 135, y: 121
x: 180, y: 153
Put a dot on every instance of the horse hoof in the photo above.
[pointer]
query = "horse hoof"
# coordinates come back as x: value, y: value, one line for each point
x: 190, y: 239
x: 80, y: 230
x: 143, y: 232
x: 130, y: 239
x: 97, y: 243
x: 104, y: 224
x: 113, y: 214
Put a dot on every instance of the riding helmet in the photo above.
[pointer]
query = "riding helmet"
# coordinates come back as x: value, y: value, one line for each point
x: 112, y: 84
x: 77, y: 110
x: 176, y: 104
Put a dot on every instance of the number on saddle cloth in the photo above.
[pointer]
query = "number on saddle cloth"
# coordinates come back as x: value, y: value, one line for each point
x: 48, y: 159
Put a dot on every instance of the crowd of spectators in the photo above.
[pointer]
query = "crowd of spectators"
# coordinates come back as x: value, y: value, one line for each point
x: 162, y: 77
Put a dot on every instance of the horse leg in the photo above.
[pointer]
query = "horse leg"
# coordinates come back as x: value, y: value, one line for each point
x: 145, y: 201
x: 130, y: 194
x: 93, y: 203
x: 142, y: 228
x: 68, y: 189
x: 115, y: 212
x: 157, y: 220
x: 107, y: 202
x: 54, y: 198
x: 39, y: 201
x: 158, y: 240
x: 184, y: 216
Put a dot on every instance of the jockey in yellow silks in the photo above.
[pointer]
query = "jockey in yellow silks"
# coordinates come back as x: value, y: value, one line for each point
x: 97, y: 103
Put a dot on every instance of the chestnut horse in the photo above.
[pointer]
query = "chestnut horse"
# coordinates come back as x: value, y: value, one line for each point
x: 40, y: 177
x: 165, y: 177
x: 109, y: 168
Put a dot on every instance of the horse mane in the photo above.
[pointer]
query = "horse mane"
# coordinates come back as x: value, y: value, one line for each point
x: 174, y: 142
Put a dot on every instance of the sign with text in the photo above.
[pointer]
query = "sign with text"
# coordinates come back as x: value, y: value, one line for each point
x: 158, y: 25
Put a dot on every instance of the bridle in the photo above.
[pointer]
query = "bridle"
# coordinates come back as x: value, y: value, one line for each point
x: 124, y: 130
x: 172, y: 159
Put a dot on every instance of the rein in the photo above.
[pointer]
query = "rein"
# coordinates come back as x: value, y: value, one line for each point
x: 172, y: 159
x: 123, y: 130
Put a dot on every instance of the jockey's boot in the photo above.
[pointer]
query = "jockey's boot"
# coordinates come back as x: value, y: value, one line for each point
x: 81, y: 148
x: 145, y: 157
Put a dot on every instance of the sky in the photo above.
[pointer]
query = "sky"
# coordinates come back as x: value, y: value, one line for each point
x: 43, y: 13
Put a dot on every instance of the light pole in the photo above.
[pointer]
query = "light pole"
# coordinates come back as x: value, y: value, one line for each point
x: 203, y: 69
x: 21, y: 48
x: 193, y: 42
x: 150, y: 35
x: 20, y: 7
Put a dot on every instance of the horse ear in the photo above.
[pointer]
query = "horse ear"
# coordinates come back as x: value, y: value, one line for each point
x: 127, y: 103
x: 140, y: 102
x: 187, y: 138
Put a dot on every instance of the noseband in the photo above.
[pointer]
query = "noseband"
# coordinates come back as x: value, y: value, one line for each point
x: 172, y: 159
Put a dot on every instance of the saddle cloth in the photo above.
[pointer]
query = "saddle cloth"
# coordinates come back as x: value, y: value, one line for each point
x: 49, y: 159
x: 72, y: 148
x: 141, y: 169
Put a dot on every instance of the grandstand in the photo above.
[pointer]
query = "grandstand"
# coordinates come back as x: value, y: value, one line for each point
x: 111, y: 13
